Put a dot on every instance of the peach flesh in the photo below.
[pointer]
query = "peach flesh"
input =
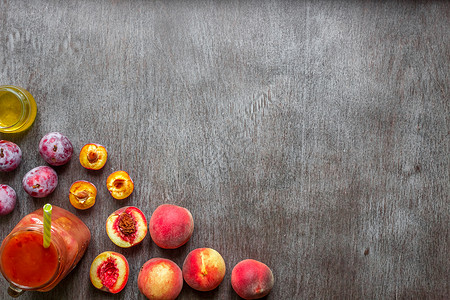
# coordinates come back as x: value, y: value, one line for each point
x: 159, y: 279
x: 204, y: 269
x: 252, y: 279
x: 171, y: 226
x: 109, y: 272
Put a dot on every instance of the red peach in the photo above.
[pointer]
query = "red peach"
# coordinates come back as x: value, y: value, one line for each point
x: 204, y: 269
x: 252, y: 279
x: 171, y: 226
x: 160, y: 279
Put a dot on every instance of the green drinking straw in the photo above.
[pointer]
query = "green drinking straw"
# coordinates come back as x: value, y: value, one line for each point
x: 47, y: 225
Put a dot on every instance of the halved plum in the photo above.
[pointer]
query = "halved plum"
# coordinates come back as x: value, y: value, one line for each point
x: 93, y: 156
x: 120, y: 185
x: 82, y: 194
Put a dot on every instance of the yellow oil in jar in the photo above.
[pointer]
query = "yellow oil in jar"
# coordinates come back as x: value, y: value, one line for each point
x: 17, y: 109
x: 11, y: 109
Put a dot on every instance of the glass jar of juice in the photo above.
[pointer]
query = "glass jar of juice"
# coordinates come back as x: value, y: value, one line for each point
x: 17, y: 109
x: 27, y: 265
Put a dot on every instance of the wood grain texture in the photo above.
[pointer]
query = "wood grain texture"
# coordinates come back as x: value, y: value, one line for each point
x: 312, y: 136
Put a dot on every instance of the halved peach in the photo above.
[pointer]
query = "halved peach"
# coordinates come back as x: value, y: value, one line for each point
x: 82, y: 194
x: 93, y: 156
x: 127, y: 226
x: 109, y: 272
x: 120, y: 185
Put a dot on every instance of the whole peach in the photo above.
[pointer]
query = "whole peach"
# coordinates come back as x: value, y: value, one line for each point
x: 160, y: 279
x: 204, y: 269
x: 252, y: 279
x: 171, y: 226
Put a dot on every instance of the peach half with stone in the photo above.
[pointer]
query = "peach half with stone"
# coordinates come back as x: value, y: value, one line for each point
x: 109, y: 272
x: 127, y: 226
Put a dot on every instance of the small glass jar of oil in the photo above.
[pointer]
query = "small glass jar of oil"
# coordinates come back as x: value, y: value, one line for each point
x: 17, y: 109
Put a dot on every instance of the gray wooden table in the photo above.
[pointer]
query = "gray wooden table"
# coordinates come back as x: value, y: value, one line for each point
x: 312, y: 136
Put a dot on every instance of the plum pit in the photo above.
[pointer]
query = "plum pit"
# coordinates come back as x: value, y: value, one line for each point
x: 82, y: 194
x: 92, y: 156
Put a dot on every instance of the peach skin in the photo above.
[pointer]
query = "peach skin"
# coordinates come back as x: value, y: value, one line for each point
x: 160, y: 279
x: 204, y: 269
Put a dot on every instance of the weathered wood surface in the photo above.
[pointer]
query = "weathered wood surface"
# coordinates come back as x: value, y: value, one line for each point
x: 312, y: 136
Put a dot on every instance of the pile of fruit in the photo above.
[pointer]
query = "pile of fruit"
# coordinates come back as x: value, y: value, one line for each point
x: 170, y: 227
